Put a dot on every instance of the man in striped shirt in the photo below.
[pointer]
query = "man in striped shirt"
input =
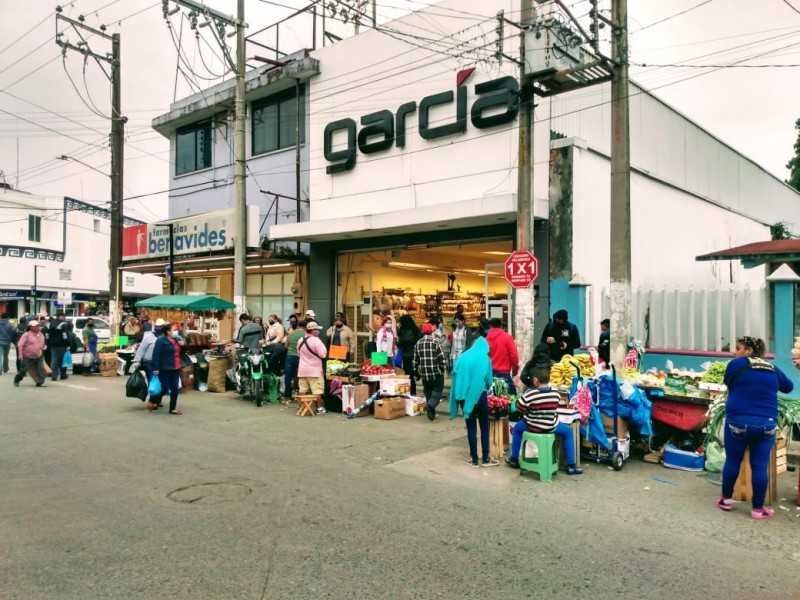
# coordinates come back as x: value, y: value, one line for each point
x: 538, y: 406
x: 429, y: 365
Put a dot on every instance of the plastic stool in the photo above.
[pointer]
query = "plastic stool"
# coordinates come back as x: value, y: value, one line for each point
x: 546, y: 463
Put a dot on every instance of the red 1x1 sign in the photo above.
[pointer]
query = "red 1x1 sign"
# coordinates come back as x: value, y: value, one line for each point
x: 521, y: 269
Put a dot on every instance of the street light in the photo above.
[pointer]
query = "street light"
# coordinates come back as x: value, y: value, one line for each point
x: 35, y: 286
x: 80, y: 162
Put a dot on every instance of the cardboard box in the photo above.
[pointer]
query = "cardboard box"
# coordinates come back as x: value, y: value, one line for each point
x: 354, y: 396
x: 622, y: 426
x: 415, y: 406
x: 390, y: 408
x: 394, y: 386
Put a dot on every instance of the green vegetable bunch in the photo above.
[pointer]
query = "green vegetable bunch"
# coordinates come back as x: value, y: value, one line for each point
x: 500, y: 387
x: 716, y: 372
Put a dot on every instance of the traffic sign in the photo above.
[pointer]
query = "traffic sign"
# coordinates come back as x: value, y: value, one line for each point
x: 521, y: 269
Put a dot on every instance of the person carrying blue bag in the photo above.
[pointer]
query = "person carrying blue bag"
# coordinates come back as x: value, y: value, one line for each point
x: 167, y: 366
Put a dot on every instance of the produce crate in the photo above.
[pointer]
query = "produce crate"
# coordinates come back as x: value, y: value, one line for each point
x: 498, y: 438
x: 743, y: 488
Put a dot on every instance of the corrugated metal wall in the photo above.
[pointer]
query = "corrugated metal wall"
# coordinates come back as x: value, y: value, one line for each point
x: 669, y: 146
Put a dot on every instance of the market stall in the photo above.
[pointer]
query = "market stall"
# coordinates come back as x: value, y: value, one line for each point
x: 198, y: 315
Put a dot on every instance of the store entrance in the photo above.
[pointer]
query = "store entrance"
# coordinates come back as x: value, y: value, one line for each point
x: 424, y: 281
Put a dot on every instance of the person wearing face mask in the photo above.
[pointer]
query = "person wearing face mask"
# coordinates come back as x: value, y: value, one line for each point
x: 90, y: 337
x: 751, y: 420
x: 291, y: 325
x: 166, y: 365
x: 460, y: 338
x: 275, y: 331
x: 339, y: 334
x: 310, y: 371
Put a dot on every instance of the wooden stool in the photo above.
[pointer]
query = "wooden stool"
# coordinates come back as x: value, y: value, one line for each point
x: 307, y: 406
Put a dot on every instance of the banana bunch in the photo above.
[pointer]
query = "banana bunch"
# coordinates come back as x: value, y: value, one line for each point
x: 563, y: 372
x: 796, y: 348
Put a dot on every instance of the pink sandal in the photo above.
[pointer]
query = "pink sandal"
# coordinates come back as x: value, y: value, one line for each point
x: 761, y: 513
x: 721, y: 504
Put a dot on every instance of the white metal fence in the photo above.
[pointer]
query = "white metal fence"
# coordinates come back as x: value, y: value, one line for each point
x: 690, y: 319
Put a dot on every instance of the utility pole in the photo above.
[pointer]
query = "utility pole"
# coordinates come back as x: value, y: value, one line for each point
x: 219, y: 22
x: 620, y: 187
x: 240, y: 243
x: 523, y: 309
x: 117, y: 144
x: 117, y: 140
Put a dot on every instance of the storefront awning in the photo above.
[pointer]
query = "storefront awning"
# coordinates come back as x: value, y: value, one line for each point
x: 187, y: 303
x: 759, y: 253
x: 491, y: 210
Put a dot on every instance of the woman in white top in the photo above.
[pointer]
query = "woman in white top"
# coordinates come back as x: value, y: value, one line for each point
x: 275, y: 331
x: 384, y: 339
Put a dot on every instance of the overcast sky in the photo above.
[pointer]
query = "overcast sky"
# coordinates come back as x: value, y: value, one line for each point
x: 752, y: 108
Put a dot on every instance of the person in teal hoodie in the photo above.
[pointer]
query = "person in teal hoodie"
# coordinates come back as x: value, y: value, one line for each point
x: 471, y: 379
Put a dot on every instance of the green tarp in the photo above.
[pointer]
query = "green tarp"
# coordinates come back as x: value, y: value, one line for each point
x: 187, y: 303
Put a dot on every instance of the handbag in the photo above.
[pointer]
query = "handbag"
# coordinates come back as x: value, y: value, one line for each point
x: 154, y: 389
x: 398, y: 359
x: 67, y: 363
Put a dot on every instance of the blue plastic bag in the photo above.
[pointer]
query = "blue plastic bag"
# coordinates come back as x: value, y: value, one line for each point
x: 67, y: 363
x: 398, y: 359
x: 154, y: 389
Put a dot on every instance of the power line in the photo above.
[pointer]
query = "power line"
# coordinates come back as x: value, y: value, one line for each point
x: 678, y: 14
x: 789, y: 4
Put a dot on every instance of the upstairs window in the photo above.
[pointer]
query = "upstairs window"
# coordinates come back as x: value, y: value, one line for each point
x: 275, y: 121
x: 34, y: 228
x: 193, y: 148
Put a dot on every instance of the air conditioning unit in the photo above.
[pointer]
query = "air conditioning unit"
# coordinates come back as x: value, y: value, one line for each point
x: 550, y: 47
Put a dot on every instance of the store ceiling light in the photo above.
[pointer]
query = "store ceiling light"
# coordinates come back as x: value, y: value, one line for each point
x: 496, y: 253
x: 405, y: 265
x: 270, y: 266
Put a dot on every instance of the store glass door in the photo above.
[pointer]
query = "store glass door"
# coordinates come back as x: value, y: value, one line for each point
x: 355, y: 295
x: 498, y: 304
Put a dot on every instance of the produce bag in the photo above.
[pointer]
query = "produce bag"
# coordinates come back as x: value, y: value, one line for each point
x: 67, y: 364
x: 154, y: 389
x: 136, y: 386
x: 87, y: 360
x: 715, y: 457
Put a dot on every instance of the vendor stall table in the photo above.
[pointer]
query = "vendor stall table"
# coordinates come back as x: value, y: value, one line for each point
x: 743, y: 488
x: 498, y: 437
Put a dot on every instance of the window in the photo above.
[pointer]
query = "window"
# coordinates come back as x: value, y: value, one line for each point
x: 193, y: 148
x: 34, y: 228
x: 269, y: 293
x: 275, y: 120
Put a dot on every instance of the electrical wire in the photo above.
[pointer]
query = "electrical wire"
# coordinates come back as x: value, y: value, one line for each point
x: 678, y: 14
x: 790, y: 5
x: 75, y: 87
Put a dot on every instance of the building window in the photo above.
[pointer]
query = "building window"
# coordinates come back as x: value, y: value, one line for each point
x: 193, y: 148
x: 269, y: 293
x: 34, y: 228
x: 275, y: 121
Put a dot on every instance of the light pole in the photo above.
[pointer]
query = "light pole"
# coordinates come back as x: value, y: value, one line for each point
x: 35, y: 287
x: 80, y: 162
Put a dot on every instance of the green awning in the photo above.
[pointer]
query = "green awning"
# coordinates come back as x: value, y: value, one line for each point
x: 187, y: 303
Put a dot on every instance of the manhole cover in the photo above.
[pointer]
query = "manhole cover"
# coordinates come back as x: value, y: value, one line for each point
x: 208, y: 494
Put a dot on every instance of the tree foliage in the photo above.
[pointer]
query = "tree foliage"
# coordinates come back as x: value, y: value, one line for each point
x: 794, y: 164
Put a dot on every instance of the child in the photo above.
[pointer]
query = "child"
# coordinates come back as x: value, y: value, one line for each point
x: 538, y: 407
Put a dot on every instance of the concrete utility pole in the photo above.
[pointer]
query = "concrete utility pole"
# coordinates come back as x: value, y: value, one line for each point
x: 218, y: 22
x: 620, y: 187
x: 240, y: 243
x: 523, y: 297
x: 117, y: 145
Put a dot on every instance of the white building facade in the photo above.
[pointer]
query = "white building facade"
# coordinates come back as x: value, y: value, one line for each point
x: 54, y: 255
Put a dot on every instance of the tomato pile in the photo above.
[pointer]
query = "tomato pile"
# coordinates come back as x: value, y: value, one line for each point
x: 369, y: 369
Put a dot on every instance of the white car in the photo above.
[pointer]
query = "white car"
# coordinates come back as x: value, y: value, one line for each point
x: 101, y: 328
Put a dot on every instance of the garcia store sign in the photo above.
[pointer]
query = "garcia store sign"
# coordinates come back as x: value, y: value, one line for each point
x: 199, y: 234
x: 497, y: 103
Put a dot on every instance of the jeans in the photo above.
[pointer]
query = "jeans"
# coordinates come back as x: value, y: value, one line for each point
x: 512, y: 389
x: 433, y: 390
x: 26, y: 364
x: 170, y: 382
x: 481, y: 413
x: 562, y: 430
x: 289, y: 370
x: 741, y: 433
x: 4, y: 357
x: 57, y: 362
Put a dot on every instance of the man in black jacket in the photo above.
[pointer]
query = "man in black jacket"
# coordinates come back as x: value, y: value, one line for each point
x: 561, y: 336
x: 58, y: 342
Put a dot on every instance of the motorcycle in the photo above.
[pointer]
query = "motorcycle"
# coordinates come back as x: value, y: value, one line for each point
x: 250, y: 374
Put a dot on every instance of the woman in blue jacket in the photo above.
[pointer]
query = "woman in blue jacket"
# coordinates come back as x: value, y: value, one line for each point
x: 166, y: 364
x: 751, y: 420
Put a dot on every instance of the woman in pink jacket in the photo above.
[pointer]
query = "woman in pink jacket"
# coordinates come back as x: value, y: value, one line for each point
x: 31, y: 347
x: 310, y: 372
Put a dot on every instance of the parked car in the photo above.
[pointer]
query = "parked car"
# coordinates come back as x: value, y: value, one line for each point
x: 101, y: 328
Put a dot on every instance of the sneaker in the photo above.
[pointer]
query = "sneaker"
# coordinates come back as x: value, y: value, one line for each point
x: 321, y: 410
x: 721, y: 504
x: 762, y: 513
x: 430, y: 412
x: 573, y: 470
x: 41, y: 385
x: 474, y: 464
x: 512, y: 462
x: 491, y: 462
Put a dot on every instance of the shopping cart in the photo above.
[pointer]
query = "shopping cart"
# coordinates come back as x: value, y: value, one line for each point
x: 596, y: 444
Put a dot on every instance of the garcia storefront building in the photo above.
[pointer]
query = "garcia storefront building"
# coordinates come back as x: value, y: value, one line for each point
x: 413, y: 159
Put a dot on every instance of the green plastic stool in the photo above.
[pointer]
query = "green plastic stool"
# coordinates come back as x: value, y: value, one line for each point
x: 546, y: 463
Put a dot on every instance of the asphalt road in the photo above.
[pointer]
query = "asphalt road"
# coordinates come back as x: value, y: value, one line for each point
x: 100, y: 499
